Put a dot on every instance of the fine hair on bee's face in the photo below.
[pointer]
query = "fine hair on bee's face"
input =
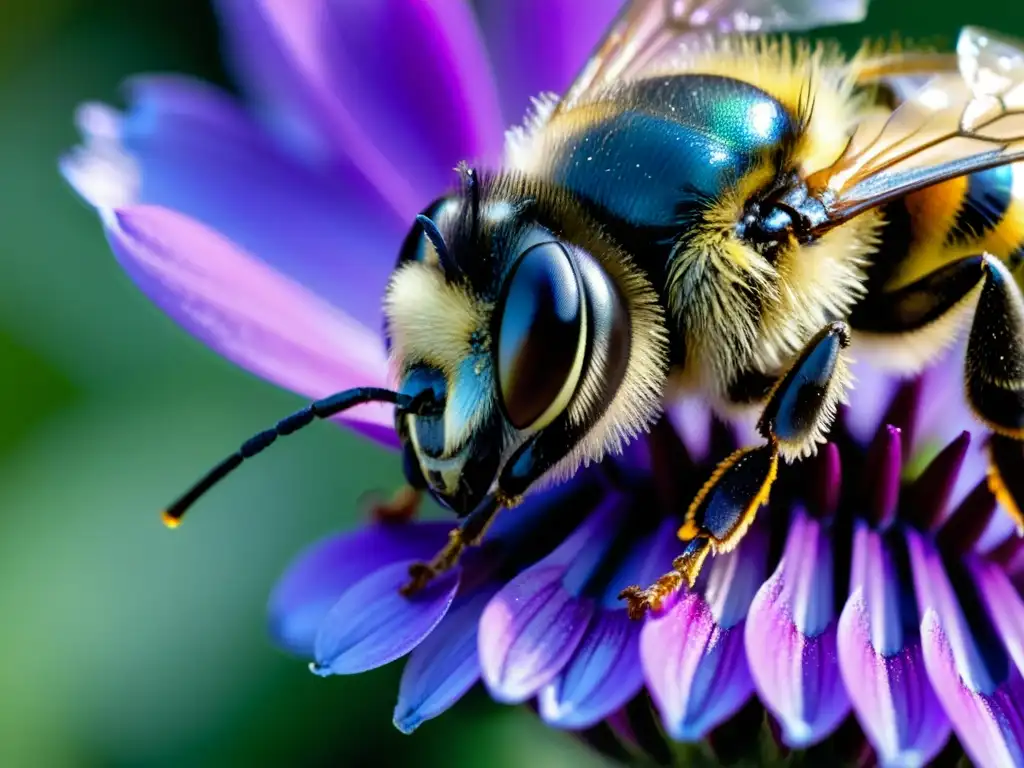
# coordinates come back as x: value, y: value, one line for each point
x: 542, y: 346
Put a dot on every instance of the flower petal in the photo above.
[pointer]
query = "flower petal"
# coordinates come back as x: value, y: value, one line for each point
x: 882, y: 661
x: 791, y: 638
x: 252, y: 315
x: 559, y: 34
x: 891, y: 693
x: 980, y: 689
x: 442, y: 668
x: 989, y: 725
x: 319, y: 576
x: 604, y: 674
x: 186, y: 146
x: 693, y: 655
x: 529, y: 631
x: 1004, y: 606
x: 373, y: 623
x: 532, y: 627
x: 402, y: 88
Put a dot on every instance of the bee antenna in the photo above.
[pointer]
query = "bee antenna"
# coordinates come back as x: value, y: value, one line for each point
x: 451, y: 269
x: 321, y: 409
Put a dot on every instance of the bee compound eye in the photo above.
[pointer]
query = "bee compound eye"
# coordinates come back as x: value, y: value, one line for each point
x: 540, y: 336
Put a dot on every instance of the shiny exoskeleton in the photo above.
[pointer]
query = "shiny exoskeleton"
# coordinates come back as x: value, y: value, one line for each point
x: 719, y: 217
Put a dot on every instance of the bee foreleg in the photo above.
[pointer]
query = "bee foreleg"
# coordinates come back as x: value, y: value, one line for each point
x: 468, y: 534
x: 798, y: 414
x: 529, y: 463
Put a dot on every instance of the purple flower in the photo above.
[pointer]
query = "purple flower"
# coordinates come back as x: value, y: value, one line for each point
x: 872, y: 599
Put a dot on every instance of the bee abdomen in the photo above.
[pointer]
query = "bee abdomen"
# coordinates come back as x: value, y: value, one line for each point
x: 986, y: 203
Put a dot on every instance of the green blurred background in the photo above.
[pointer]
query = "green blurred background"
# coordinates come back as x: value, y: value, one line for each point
x: 122, y: 644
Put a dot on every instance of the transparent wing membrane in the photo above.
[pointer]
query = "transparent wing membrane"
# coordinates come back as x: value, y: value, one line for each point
x: 650, y: 31
x: 957, y: 123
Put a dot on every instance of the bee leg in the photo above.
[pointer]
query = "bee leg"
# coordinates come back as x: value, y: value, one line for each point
x: 797, y: 416
x: 994, y: 379
x: 468, y: 534
x: 532, y: 460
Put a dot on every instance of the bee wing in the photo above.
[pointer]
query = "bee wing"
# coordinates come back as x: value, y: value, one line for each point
x: 955, y: 125
x: 649, y: 31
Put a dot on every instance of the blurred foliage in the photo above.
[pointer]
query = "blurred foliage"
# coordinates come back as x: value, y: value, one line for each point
x: 124, y: 645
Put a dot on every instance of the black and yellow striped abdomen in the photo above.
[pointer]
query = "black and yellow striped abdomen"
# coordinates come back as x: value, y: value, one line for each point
x: 930, y: 229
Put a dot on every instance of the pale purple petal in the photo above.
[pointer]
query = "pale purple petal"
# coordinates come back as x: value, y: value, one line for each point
x: 604, y: 674
x: 985, y: 710
x: 693, y: 656
x: 319, y: 576
x: 791, y: 638
x: 442, y: 668
x: 1003, y: 604
x: 532, y: 627
x: 882, y: 661
x: 195, y: 150
x: 891, y: 694
x: 541, y: 45
x: 249, y: 313
x: 402, y: 87
x: 944, y: 414
x: 275, y: 88
x: 373, y: 623
x: 869, y: 399
x: 989, y: 725
x: 696, y: 670
x: 529, y: 631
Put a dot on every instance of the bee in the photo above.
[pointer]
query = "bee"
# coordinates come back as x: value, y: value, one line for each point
x: 712, y: 214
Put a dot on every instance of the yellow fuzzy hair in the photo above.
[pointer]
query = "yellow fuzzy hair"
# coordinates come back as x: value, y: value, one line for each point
x: 434, y: 322
x: 808, y: 285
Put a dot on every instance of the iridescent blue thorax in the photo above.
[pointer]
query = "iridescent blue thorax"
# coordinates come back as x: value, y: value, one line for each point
x: 678, y: 143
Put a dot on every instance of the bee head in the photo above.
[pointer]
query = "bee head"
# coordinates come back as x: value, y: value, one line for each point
x: 514, y: 331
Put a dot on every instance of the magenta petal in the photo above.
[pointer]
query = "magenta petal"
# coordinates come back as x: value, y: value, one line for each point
x: 373, y: 623
x: 247, y: 312
x: 882, y: 661
x: 985, y: 710
x: 402, y: 87
x: 791, y: 638
x: 444, y: 666
x: 193, y: 149
x: 560, y: 35
x: 693, y: 656
x: 603, y: 675
x: 320, y: 575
